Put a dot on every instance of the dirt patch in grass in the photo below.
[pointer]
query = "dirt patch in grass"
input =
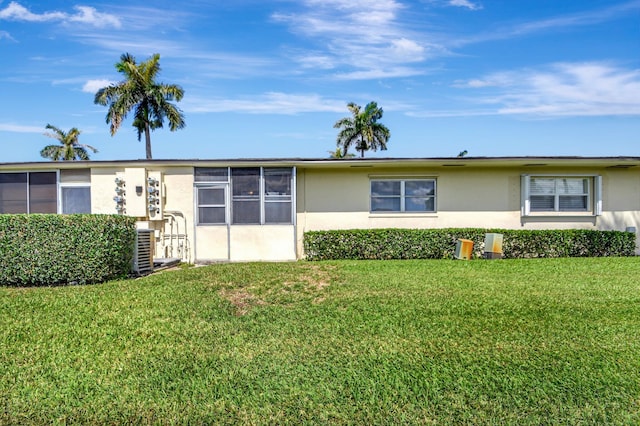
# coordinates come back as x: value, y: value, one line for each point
x: 241, y: 300
x: 317, y: 277
x: 309, y: 283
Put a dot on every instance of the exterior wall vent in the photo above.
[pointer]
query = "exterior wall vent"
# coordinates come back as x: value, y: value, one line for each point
x: 143, y: 253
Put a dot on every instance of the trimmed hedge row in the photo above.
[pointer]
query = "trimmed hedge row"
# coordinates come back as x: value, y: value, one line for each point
x: 441, y: 243
x: 50, y: 249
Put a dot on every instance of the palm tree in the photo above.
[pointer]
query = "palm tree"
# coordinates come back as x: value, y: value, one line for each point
x: 362, y: 130
x: 69, y: 148
x: 151, y: 101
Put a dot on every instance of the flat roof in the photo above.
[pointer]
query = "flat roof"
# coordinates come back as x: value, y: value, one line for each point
x: 521, y: 161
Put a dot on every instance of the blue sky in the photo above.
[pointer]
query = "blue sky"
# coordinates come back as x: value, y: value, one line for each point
x: 265, y: 79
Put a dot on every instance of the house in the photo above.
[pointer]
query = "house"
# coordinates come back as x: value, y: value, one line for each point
x: 259, y: 209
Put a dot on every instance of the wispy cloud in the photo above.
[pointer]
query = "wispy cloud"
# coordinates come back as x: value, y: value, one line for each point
x: 6, y: 35
x: 17, y: 128
x: 578, y: 19
x: 560, y: 90
x: 83, y: 14
x: 379, y: 73
x: 359, y: 37
x: 561, y: 22
x: 465, y: 3
x: 267, y: 103
x: 590, y: 89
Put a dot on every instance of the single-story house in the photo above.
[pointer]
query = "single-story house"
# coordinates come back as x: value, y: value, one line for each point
x: 259, y: 209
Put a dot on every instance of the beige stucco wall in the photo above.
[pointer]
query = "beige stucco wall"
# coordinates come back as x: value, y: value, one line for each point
x: 178, y: 214
x: 216, y: 243
x: 337, y: 196
x: 485, y: 198
x: 103, y: 190
x: 262, y: 242
x: 211, y: 243
x: 174, y: 234
x: 339, y: 199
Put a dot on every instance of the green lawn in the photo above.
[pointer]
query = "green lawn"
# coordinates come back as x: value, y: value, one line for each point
x: 553, y: 341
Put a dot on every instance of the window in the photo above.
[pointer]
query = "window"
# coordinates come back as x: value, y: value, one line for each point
x: 211, y: 174
x: 258, y: 195
x: 37, y: 192
x: 76, y: 199
x: 561, y: 194
x: 400, y: 195
x: 28, y: 192
x: 246, y: 195
x: 75, y: 191
x: 211, y: 194
x: 13, y: 193
x: 212, y: 205
x: 277, y: 199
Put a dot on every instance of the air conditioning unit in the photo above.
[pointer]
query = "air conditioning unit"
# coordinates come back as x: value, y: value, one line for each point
x: 143, y: 253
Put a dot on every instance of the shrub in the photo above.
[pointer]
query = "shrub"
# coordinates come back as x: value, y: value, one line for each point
x: 51, y: 249
x: 440, y: 243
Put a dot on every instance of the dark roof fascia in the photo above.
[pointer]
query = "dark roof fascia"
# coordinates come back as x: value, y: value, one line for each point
x: 627, y: 161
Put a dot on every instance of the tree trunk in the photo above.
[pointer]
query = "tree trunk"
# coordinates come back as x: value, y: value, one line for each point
x: 147, y: 140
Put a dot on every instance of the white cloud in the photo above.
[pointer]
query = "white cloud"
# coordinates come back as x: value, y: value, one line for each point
x: 359, y: 37
x: 407, y: 50
x: 85, y: 14
x: 465, y: 3
x: 560, y: 22
x: 92, y: 86
x: 89, y: 15
x: 6, y: 35
x: 267, y: 103
x: 493, y: 80
x: 565, y: 89
x: 316, y: 61
x: 17, y: 12
x: 377, y: 73
x: 18, y: 128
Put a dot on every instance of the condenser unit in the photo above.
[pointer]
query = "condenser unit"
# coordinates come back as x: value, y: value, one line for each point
x: 143, y: 253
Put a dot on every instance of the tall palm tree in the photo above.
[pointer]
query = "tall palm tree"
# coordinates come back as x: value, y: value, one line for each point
x: 362, y: 130
x: 151, y: 101
x: 69, y: 148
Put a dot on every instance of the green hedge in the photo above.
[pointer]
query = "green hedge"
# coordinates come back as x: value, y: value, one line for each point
x: 441, y: 243
x: 49, y: 249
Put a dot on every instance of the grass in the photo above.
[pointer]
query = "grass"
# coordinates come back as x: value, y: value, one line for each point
x: 551, y: 341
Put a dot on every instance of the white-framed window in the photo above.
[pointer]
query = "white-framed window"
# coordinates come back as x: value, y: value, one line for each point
x: 403, y: 195
x: 212, y: 187
x: 567, y: 195
x: 66, y: 191
x: 212, y: 202
x: 244, y: 195
x: 75, y: 191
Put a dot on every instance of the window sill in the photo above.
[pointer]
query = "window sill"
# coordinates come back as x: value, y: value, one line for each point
x: 243, y: 224
x: 402, y: 214
x: 560, y: 214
